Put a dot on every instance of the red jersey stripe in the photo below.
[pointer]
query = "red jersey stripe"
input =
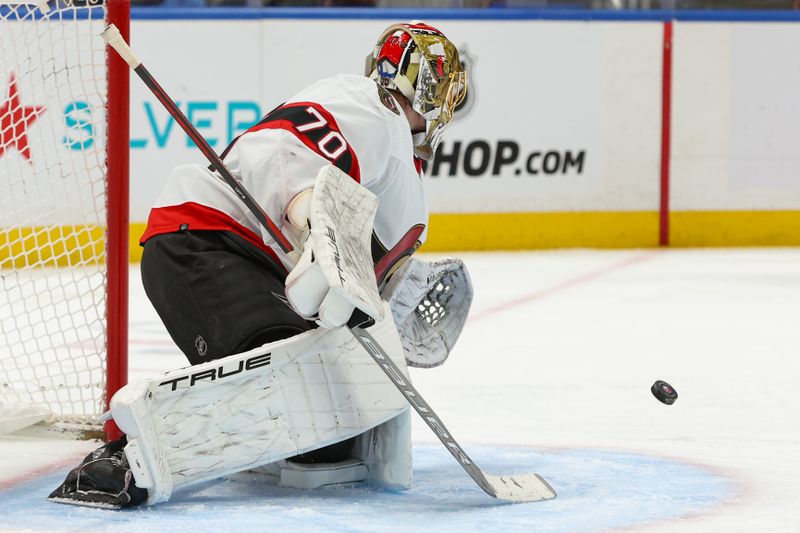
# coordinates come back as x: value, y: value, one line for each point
x: 193, y: 216
x: 316, y: 129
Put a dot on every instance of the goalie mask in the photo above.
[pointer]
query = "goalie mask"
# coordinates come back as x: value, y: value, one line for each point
x: 420, y: 62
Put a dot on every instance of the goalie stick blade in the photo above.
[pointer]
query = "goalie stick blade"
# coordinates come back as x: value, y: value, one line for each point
x: 519, y: 489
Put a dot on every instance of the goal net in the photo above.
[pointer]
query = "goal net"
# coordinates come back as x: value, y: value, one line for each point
x: 63, y: 213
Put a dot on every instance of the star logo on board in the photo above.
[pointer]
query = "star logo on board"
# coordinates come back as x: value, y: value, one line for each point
x: 15, y: 120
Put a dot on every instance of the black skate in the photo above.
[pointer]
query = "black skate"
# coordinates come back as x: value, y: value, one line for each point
x: 103, y: 479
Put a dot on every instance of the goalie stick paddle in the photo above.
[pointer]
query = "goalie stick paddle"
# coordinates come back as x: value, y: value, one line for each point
x: 521, y: 488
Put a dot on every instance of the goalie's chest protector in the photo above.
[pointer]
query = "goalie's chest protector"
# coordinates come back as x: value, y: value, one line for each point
x: 347, y: 121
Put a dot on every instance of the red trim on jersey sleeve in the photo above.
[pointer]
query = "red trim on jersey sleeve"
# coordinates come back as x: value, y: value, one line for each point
x: 318, y: 135
x: 405, y: 246
x: 194, y: 216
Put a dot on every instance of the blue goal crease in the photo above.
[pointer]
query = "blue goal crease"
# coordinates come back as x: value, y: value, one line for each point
x: 598, y: 489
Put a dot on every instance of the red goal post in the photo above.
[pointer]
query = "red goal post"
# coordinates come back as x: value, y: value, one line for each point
x: 64, y: 158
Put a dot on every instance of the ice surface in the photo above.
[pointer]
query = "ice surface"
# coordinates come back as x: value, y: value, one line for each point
x: 552, y: 374
x: 596, y: 487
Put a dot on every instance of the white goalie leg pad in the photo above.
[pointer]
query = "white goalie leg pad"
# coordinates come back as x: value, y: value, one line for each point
x: 255, y: 408
x: 386, y: 450
x: 383, y: 458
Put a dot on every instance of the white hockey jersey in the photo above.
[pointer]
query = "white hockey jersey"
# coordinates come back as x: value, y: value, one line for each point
x: 345, y: 120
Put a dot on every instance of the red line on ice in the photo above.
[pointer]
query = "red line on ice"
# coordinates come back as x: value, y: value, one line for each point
x: 30, y: 475
x: 538, y: 295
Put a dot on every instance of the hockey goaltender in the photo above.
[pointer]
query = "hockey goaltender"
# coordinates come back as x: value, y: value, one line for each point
x: 276, y: 382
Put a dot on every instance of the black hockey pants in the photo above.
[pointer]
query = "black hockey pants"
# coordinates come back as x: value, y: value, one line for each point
x: 216, y: 293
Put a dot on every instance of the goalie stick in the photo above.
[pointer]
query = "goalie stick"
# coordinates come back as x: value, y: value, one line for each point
x: 518, y: 488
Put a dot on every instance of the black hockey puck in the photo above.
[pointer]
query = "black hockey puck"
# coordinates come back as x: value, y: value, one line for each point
x: 664, y: 392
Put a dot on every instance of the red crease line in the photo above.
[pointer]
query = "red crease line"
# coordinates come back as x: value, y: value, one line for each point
x: 30, y: 475
x: 538, y: 295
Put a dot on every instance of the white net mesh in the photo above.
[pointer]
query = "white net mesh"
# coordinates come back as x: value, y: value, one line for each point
x: 52, y: 209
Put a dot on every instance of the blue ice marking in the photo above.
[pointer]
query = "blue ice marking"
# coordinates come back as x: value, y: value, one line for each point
x: 596, y: 490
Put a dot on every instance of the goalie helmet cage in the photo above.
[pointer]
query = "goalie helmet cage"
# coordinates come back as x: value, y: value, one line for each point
x: 64, y: 137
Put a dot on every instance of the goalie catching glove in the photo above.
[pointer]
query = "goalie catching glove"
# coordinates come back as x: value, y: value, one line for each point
x: 334, y: 274
x: 430, y: 303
